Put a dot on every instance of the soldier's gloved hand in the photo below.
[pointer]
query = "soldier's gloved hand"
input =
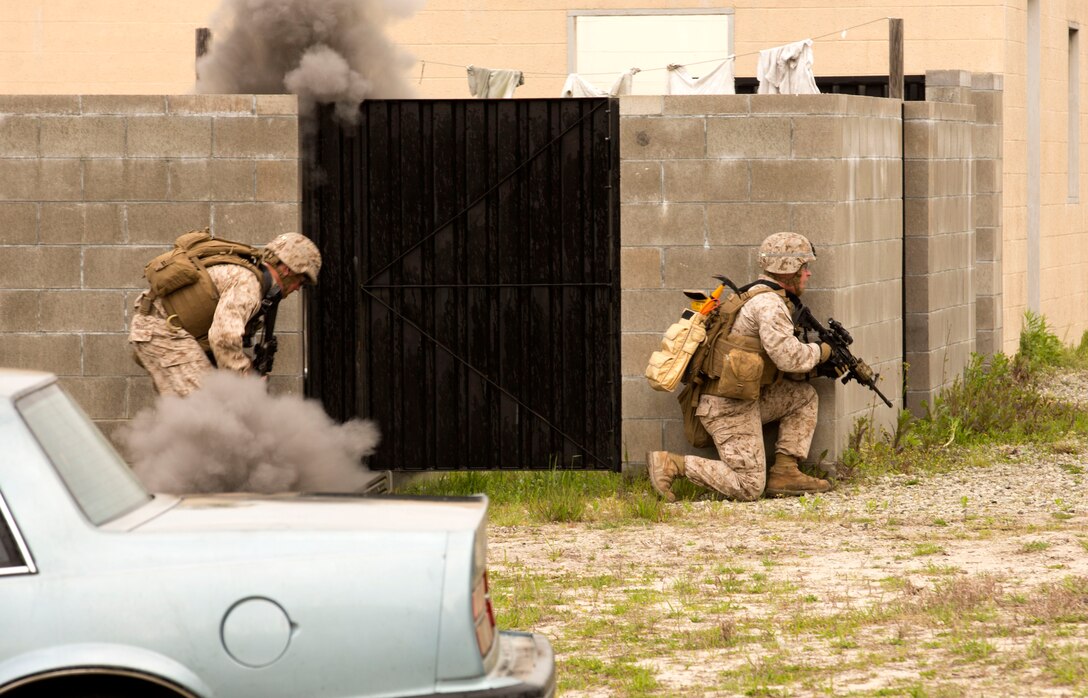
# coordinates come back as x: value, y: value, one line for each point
x: 825, y: 351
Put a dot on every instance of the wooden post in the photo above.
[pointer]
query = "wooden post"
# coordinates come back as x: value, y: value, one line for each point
x: 203, y: 39
x: 895, y: 58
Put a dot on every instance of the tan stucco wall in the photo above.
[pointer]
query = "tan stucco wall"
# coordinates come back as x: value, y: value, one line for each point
x: 147, y: 47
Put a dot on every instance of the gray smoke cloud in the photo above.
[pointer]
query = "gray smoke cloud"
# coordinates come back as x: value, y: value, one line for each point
x: 232, y: 436
x: 321, y: 50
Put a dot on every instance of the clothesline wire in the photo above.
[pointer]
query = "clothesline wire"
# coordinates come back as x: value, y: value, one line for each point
x: 666, y: 67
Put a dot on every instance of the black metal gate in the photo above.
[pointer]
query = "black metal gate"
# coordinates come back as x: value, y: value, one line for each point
x: 469, y: 300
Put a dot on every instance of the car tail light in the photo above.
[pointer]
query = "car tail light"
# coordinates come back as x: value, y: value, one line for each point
x: 483, y: 615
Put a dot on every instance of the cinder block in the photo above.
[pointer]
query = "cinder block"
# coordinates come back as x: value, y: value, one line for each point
x: 705, y: 180
x: 124, y: 104
x: 695, y: 267
x: 117, y: 267
x: 649, y: 310
x: 641, y: 436
x: 656, y: 224
x: 641, y: 105
x: 917, y: 178
x: 285, y: 385
x: 640, y: 401
x: 254, y: 224
x: 141, y: 395
x: 745, y: 223
x: 109, y: 355
x: 988, y: 106
x: 823, y: 223
x: 987, y: 174
x: 948, y: 78
x: 289, y: 317
x: 161, y: 222
x: 19, y: 136
x: 800, y: 104
x: 988, y: 141
x: 278, y: 180
x: 238, y: 105
x: 639, y: 182
x: 212, y: 180
x: 987, y: 210
x: 652, y: 138
x: 798, y: 180
x: 40, y: 180
x: 82, y: 311
x: 18, y: 223
x: 919, y: 139
x: 819, y: 136
x: 39, y: 104
x: 19, y: 311
x: 640, y: 267
x: 56, y: 353
x: 276, y: 105
x: 635, y: 350
x: 82, y: 136
x: 100, y: 397
x: 266, y: 136
x: 64, y: 223
x: 127, y: 179
x: 747, y: 137
x: 988, y: 244
x: 289, y: 354
x: 706, y: 105
x: 40, y: 267
x: 169, y: 137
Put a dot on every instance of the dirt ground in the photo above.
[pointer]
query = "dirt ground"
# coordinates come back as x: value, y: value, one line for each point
x: 779, y: 576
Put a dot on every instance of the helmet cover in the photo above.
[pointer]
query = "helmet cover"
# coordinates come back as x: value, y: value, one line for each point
x: 299, y: 253
x: 785, y: 253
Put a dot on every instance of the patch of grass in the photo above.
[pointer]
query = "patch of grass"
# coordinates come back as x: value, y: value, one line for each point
x: 927, y: 549
x: 1066, y: 664
x: 1035, y: 546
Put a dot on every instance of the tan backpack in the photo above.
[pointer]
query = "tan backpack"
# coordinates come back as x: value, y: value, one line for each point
x: 180, y: 277
x: 715, y: 364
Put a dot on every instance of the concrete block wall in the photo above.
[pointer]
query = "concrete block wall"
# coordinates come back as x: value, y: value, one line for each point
x: 939, y: 270
x: 93, y: 186
x: 986, y: 92
x: 704, y: 179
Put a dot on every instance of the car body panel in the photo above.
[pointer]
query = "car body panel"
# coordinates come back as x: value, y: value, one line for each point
x: 314, y: 595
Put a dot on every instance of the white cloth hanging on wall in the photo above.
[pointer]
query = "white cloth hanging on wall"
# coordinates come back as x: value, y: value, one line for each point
x: 787, y: 70
x: 488, y: 83
x: 577, y: 86
x: 717, y: 81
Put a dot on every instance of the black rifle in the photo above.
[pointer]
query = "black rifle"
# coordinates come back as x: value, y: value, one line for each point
x: 264, y: 353
x: 842, y: 361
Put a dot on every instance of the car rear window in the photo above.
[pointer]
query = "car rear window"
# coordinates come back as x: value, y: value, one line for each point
x: 98, y: 478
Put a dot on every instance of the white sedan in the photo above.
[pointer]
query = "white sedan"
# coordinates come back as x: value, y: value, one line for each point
x: 108, y: 590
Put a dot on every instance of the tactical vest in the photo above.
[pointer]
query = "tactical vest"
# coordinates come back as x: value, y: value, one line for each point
x: 180, y: 279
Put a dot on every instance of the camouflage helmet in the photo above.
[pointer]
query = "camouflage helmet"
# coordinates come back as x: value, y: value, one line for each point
x: 298, y: 252
x: 784, y: 253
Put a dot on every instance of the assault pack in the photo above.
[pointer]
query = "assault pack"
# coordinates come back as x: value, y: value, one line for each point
x: 700, y: 352
x: 180, y: 279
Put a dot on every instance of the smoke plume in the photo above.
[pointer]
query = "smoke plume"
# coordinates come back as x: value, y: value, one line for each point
x: 232, y: 436
x: 321, y: 50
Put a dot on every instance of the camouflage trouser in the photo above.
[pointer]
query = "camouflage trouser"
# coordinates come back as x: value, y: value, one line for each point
x: 171, y: 355
x: 736, y: 427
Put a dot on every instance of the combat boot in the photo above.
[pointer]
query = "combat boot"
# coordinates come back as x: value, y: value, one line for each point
x: 786, y: 479
x: 664, y: 467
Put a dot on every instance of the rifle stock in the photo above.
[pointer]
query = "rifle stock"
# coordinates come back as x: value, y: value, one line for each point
x: 838, y: 338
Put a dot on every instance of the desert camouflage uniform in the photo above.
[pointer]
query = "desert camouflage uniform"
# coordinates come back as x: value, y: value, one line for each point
x: 173, y: 357
x: 735, y: 425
